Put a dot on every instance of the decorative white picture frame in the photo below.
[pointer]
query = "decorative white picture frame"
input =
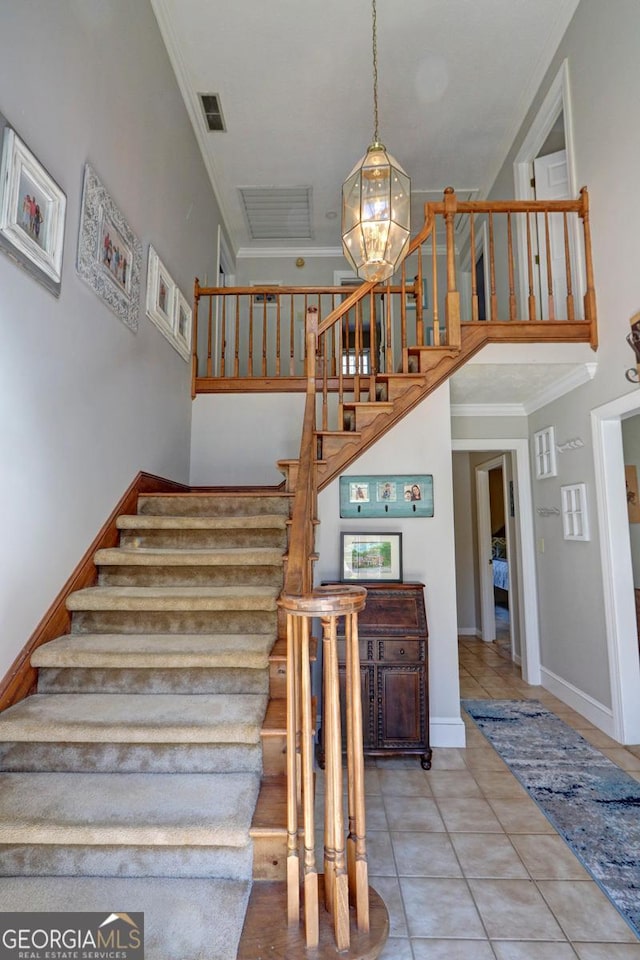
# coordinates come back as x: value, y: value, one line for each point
x: 167, y: 307
x: 544, y: 450
x: 32, y: 212
x: 575, y: 515
x: 160, y: 294
x: 109, y: 253
x: 182, y: 325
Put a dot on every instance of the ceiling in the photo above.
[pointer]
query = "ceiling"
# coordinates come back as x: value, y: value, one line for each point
x: 294, y: 81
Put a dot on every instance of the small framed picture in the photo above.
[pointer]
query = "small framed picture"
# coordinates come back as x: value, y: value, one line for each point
x: 160, y: 294
x: 32, y: 212
x: 371, y: 556
x: 182, y: 324
x: 359, y: 492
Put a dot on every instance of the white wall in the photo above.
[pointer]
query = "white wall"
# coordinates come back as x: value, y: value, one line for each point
x: 604, y: 76
x: 421, y: 443
x: 238, y: 438
x: 466, y: 547
x: 84, y: 403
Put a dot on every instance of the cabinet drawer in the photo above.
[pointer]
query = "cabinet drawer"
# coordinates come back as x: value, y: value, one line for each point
x: 363, y: 646
x: 407, y: 649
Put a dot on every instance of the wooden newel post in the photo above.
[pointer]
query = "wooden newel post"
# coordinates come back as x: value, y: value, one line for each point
x: 452, y: 302
x: 311, y: 346
x: 345, y: 860
x: 590, y: 312
x: 194, y: 338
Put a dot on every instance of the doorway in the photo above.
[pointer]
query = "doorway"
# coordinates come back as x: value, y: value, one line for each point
x: 544, y: 170
x: 496, y: 555
x: 523, y: 601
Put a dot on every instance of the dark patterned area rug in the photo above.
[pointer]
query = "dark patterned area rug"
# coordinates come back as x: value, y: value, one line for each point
x: 590, y: 801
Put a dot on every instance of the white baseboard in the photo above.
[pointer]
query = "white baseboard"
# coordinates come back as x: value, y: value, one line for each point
x: 467, y: 631
x: 582, y: 703
x: 446, y: 732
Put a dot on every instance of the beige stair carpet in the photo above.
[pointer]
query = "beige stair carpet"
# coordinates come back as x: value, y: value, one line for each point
x: 131, y: 777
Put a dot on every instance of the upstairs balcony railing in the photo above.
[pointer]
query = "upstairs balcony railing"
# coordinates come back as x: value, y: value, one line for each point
x: 507, y: 262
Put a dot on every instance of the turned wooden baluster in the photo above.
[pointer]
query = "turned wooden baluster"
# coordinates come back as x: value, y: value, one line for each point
x: 210, y: 339
x: 531, y: 300
x: 452, y: 303
x: 475, y: 312
x: 194, y: 338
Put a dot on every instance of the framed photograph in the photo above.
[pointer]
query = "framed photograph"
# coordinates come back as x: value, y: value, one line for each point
x: 109, y: 253
x: 393, y: 495
x: 371, y: 556
x: 161, y: 292
x: 32, y: 212
x: 182, y: 325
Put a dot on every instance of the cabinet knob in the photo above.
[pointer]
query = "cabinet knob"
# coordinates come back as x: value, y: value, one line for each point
x: 402, y: 651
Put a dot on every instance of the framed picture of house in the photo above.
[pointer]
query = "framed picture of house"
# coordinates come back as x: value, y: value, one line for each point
x: 371, y: 556
x: 109, y: 253
x: 32, y: 212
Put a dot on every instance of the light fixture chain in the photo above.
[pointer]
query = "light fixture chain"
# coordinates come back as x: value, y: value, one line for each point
x: 375, y: 72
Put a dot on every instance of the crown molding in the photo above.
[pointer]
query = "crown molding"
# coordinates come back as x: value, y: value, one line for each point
x: 488, y: 410
x: 582, y: 374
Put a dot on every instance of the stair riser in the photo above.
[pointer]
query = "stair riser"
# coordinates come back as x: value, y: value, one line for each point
x: 213, y: 506
x: 130, y: 758
x: 202, y: 539
x: 206, y: 576
x: 174, y: 621
x: 41, y: 860
x: 156, y: 680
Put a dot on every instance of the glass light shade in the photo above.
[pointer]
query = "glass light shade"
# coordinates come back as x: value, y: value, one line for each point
x: 376, y: 201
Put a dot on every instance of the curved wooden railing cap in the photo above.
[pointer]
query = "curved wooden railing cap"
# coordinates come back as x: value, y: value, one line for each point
x: 336, y: 600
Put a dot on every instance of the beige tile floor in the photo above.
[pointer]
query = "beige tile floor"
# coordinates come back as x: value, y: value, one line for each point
x: 468, y: 866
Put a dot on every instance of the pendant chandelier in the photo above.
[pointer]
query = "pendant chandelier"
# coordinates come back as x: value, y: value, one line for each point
x: 376, y: 204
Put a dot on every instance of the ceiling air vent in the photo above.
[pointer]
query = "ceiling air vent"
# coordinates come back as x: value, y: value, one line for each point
x: 277, y: 213
x: 212, y: 111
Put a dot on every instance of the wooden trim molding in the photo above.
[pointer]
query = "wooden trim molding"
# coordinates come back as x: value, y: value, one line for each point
x: 21, y: 677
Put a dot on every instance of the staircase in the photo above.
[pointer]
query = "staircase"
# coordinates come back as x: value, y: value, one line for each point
x: 129, y: 780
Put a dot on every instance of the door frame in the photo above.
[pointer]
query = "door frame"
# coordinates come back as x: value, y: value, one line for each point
x: 557, y: 100
x: 487, y: 595
x: 617, y: 571
x: 526, y: 582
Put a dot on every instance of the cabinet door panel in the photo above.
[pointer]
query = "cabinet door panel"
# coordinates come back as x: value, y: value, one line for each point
x: 407, y: 650
x: 400, y: 706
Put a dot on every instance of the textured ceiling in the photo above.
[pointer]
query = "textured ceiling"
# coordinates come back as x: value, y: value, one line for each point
x: 294, y: 79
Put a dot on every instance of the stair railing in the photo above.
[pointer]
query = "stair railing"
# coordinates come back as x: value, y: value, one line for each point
x: 345, y: 862
x: 522, y: 263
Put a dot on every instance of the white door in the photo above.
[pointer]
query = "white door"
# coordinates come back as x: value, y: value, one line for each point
x: 551, y: 176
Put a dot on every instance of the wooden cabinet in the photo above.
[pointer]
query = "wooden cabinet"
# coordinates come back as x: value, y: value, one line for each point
x: 394, y: 671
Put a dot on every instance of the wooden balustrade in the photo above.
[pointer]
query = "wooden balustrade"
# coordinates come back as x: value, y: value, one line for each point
x: 472, y: 262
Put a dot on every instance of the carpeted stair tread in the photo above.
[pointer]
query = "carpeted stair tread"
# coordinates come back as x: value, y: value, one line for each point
x: 156, y: 651
x: 216, y: 504
x: 174, y: 598
x: 127, y: 809
x: 135, y: 718
x: 183, y: 919
x: 152, y: 522
x: 231, y: 556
